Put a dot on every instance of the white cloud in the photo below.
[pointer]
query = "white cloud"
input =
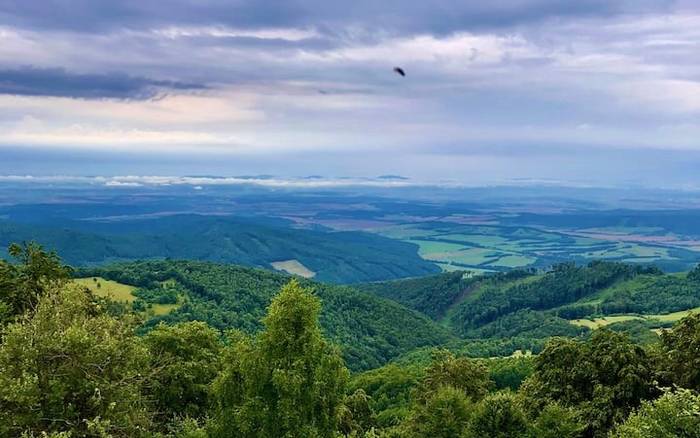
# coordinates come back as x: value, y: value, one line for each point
x: 287, y: 34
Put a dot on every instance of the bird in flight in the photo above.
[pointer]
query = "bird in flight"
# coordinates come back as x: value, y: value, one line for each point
x: 400, y: 71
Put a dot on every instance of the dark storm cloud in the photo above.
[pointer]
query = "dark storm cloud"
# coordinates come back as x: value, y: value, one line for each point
x: 396, y: 16
x: 30, y: 81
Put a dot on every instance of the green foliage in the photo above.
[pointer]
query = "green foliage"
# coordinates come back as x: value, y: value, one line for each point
x: 355, y: 416
x: 69, y: 367
x: 444, y: 413
x: 288, y: 382
x: 564, y: 284
x: 499, y: 416
x: 185, y: 360
x: 556, y: 421
x: 443, y: 400
x: 510, y: 372
x: 370, y: 330
x: 464, y: 374
x: 604, y: 378
x: 529, y: 324
x: 431, y: 295
x: 675, y: 414
x: 22, y: 284
x: 338, y: 257
x: 680, y: 358
x: 389, y: 389
x: 639, y: 331
x: 187, y: 428
x: 653, y: 294
x: 694, y: 275
x: 71, y: 364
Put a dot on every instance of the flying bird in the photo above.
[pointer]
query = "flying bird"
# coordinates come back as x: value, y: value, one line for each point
x: 400, y: 71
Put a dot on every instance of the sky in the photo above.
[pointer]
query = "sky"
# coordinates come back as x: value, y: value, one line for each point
x: 596, y: 92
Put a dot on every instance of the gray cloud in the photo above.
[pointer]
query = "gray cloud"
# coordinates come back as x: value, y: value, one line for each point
x: 56, y: 82
x: 397, y: 16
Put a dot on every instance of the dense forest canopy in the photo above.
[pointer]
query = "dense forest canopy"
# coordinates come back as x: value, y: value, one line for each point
x: 74, y: 363
x: 370, y: 330
x: 338, y: 257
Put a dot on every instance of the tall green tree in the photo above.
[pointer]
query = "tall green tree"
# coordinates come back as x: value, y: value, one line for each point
x: 444, y: 413
x: 356, y: 415
x: 185, y: 361
x: 467, y: 375
x: 499, y: 415
x: 680, y: 353
x: 69, y: 367
x: 556, y: 421
x: 442, y: 403
x: 287, y: 382
x: 24, y: 282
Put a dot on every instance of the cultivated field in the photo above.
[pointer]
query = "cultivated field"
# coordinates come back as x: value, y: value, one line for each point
x: 294, y: 267
x: 607, y: 320
x: 484, y: 248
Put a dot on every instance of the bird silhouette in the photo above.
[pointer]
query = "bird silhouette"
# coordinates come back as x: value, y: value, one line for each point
x: 400, y: 71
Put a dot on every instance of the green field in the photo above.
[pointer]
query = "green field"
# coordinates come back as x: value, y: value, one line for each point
x: 122, y: 293
x: 497, y: 248
x: 607, y: 320
x: 108, y: 289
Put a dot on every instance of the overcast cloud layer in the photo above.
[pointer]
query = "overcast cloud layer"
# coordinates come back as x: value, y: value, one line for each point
x: 594, y: 90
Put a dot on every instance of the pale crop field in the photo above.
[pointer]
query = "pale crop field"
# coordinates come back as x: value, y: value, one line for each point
x: 293, y: 267
x: 108, y: 288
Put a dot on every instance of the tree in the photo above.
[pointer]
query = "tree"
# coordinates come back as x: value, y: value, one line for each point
x: 356, y: 416
x: 390, y: 389
x: 556, y: 421
x: 185, y: 360
x: 694, y: 275
x: 445, y: 413
x: 499, y: 416
x: 467, y: 375
x: 69, y: 367
x: 287, y: 382
x: 675, y: 414
x: 604, y: 378
x: 22, y: 284
x: 680, y: 353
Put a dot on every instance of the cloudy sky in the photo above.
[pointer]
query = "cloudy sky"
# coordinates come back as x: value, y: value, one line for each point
x: 593, y: 91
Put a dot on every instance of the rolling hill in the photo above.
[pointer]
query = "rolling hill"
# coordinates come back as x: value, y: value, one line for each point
x: 369, y: 330
x: 566, y: 300
x: 337, y: 257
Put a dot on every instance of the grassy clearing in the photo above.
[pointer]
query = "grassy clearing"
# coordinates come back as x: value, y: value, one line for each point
x: 475, y: 239
x: 122, y: 293
x: 428, y: 247
x: 404, y: 232
x: 472, y: 256
x: 293, y: 267
x: 675, y: 316
x: 602, y: 322
x: 607, y: 320
x: 161, y: 309
x: 514, y: 261
x: 108, y: 289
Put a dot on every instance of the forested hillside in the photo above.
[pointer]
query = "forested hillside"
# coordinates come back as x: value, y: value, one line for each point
x: 369, y: 330
x: 338, y: 257
x: 520, y: 309
x: 76, y: 364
